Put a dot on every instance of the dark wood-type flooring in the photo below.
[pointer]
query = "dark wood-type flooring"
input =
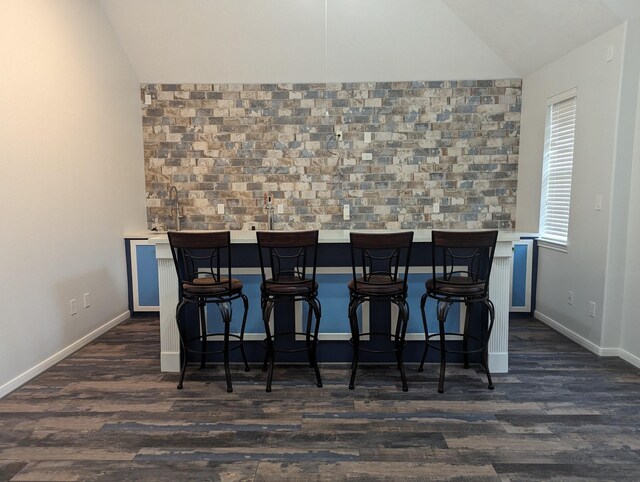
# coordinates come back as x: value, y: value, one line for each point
x: 108, y: 413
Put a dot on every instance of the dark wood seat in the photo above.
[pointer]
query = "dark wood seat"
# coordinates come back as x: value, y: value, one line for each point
x: 461, y: 263
x: 203, y: 266
x: 208, y: 286
x: 288, y: 262
x: 380, y: 266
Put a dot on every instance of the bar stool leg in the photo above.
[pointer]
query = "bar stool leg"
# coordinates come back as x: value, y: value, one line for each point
x: 443, y: 310
x: 183, y: 346
x: 245, y: 302
x: 485, y: 353
x: 225, y: 310
x: 307, y: 333
x: 465, y: 336
x: 313, y: 351
x: 423, y: 302
x: 203, y: 334
x: 403, y: 319
x: 266, y: 352
x: 396, y: 336
x: 270, y: 357
x: 355, y: 337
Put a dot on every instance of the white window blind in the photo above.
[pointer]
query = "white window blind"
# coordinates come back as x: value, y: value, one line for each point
x: 557, y: 169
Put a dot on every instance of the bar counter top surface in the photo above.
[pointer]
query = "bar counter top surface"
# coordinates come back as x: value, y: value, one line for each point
x: 500, y: 276
x: 328, y: 236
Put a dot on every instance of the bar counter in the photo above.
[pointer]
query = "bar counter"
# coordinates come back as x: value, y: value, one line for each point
x: 334, y: 271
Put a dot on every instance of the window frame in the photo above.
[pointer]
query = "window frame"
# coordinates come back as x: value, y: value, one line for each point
x: 556, y: 128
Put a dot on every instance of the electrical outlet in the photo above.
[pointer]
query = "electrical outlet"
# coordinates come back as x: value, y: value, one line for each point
x: 220, y: 208
x: 346, y: 213
x: 87, y: 302
x: 73, y: 307
x: 570, y: 297
x: 592, y: 309
x: 280, y: 208
x: 367, y: 156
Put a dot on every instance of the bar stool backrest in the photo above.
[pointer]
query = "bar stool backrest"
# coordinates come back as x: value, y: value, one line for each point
x: 291, y: 256
x: 462, y: 258
x: 202, y: 260
x: 380, y: 258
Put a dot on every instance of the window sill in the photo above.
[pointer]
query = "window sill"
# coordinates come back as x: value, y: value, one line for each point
x: 552, y: 245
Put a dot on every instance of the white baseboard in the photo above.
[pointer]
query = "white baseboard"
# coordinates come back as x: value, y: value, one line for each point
x: 583, y: 342
x: 580, y: 340
x: 629, y: 357
x: 499, y: 362
x: 23, y: 378
x: 170, y: 361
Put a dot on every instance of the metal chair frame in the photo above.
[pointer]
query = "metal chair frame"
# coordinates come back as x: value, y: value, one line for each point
x: 380, y: 268
x: 291, y: 257
x: 473, y: 251
x: 203, y: 266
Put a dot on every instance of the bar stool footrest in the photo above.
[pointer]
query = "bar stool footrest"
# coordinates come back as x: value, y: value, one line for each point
x: 436, y: 346
x: 392, y: 337
x: 312, y: 341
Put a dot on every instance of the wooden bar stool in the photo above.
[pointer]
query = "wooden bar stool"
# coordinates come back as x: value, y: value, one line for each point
x: 380, y: 266
x: 203, y: 266
x: 288, y: 264
x: 462, y: 263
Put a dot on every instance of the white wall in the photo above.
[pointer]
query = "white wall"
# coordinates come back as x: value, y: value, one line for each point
x: 72, y: 179
x: 253, y: 41
x: 617, y: 263
x: 598, y: 252
x: 630, y: 339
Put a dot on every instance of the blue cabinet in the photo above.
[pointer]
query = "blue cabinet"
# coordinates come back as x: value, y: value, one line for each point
x: 143, y: 277
x: 522, y: 276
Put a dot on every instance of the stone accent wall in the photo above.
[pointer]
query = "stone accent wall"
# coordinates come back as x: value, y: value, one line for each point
x: 441, y: 154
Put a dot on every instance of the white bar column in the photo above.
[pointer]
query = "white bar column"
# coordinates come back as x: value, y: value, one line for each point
x: 500, y: 291
x: 168, y: 287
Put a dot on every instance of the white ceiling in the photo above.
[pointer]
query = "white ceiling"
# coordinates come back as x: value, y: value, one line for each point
x: 355, y: 40
x: 529, y: 34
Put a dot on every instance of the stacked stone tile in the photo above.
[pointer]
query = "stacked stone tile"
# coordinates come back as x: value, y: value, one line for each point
x: 444, y: 154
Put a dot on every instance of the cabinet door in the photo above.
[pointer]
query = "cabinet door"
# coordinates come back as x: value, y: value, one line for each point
x: 144, y: 276
x: 521, y: 275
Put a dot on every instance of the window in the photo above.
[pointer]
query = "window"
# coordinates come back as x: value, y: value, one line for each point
x: 557, y: 169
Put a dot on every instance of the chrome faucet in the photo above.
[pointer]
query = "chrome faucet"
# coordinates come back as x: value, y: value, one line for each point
x: 173, y: 190
x: 269, y: 207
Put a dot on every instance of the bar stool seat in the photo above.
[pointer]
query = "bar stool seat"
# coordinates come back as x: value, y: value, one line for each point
x: 210, y: 287
x: 203, y: 267
x: 288, y: 262
x: 457, y: 286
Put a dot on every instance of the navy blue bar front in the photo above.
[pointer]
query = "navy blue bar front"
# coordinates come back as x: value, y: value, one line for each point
x: 334, y: 272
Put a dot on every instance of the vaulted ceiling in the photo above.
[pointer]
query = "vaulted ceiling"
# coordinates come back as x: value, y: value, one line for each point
x: 354, y: 40
x: 528, y: 34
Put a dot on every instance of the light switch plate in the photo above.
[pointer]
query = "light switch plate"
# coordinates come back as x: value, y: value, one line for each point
x: 598, y: 202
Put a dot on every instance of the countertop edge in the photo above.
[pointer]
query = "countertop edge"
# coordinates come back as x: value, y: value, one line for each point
x: 327, y: 236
